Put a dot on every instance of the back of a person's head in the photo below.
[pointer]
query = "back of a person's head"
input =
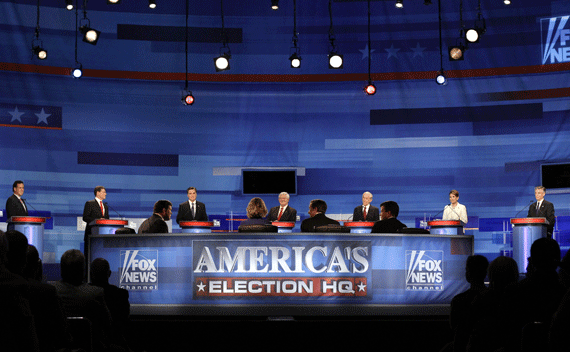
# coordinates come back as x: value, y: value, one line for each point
x: 476, y: 268
x: 160, y: 205
x: 100, y: 271
x: 319, y: 204
x: 72, y: 266
x: 392, y: 207
x: 17, y: 247
x: 503, y: 271
x: 125, y: 231
x: 545, y: 254
x: 33, y: 269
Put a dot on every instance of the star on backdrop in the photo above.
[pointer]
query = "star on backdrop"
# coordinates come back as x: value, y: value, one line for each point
x: 365, y: 52
x: 16, y: 114
x: 392, y: 51
x: 42, y: 117
x: 418, y: 50
x: 201, y: 286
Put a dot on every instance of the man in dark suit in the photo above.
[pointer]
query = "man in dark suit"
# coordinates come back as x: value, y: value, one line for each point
x: 366, y: 212
x: 283, y: 212
x: 162, y: 212
x: 317, y: 210
x: 94, y: 209
x: 16, y: 205
x: 542, y: 209
x: 388, y: 223
x: 191, y: 210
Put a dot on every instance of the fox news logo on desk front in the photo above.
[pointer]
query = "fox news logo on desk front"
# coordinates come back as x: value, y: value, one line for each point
x: 555, y: 39
x: 139, y: 271
x: 424, y: 270
x: 229, y: 269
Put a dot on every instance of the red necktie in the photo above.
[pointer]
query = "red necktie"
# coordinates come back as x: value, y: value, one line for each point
x: 102, y: 210
x: 364, y: 212
x: 280, y: 213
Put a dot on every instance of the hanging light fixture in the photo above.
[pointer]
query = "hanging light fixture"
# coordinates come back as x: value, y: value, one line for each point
x: 113, y: 2
x: 370, y: 89
x: 77, y: 70
x: 474, y: 33
x: 295, y: 57
x: 399, y: 4
x: 335, y: 59
x: 90, y: 35
x: 152, y: 4
x: 457, y: 51
x: 440, y: 78
x: 69, y: 5
x: 187, y: 97
x: 222, y: 62
x: 275, y: 4
x: 37, y: 46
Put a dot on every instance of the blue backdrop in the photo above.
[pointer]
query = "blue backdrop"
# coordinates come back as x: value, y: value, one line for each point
x: 504, y: 112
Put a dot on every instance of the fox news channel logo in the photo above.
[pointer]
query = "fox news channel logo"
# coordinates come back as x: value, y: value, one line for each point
x: 424, y: 270
x: 139, y: 271
x: 555, y: 40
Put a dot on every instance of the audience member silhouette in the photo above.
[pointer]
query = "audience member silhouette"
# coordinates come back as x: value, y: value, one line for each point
x: 117, y: 299
x: 491, y: 318
x: 560, y: 326
x: 82, y: 300
x: 564, y: 271
x: 461, y: 316
x: 125, y: 231
x: 17, y: 326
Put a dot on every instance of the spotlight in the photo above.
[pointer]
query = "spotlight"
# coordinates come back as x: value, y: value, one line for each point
x: 335, y: 60
x: 39, y: 52
x: 187, y: 98
x: 370, y: 89
x: 474, y: 34
x: 399, y: 4
x: 77, y: 71
x: 69, y: 4
x: 456, y: 52
x: 152, y: 4
x: 507, y: 2
x: 274, y: 4
x: 222, y: 62
x: 90, y: 35
x: 113, y: 2
x: 295, y: 60
x: 441, y: 79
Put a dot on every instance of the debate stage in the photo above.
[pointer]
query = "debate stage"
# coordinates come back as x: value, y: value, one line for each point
x: 283, y: 276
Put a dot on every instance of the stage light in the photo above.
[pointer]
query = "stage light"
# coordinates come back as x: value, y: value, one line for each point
x: 441, y: 79
x: 507, y: 2
x: 222, y: 62
x: 335, y: 60
x: 69, y: 5
x: 152, y: 4
x: 456, y: 53
x: 370, y: 89
x: 295, y: 60
x: 187, y: 98
x: 274, y: 4
x: 90, y: 35
x: 39, y: 52
x: 77, y: 71
x: 399, y: 4
x: 113, y: 2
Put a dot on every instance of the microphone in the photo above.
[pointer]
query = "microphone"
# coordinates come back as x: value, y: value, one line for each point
x: 107, y: 204
x: 439, y: 212
x: 454, y: 212
x: 528, y: 205
x: 28, y: 204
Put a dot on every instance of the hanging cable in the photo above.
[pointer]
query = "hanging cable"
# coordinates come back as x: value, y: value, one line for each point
x: 187, y: 97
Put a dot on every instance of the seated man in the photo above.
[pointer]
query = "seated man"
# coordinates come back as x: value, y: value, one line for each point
x: 283, y: 212
x: 82, y: 300
x: 388, y: 223
x: 162, y: 212
x: 317, y: 210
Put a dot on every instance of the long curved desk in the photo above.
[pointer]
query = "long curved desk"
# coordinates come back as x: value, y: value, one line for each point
x: 274, y: 274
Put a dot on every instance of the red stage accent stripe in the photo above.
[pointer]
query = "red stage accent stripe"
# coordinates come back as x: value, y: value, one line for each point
x: 342, y: 77
x: 24, y: 126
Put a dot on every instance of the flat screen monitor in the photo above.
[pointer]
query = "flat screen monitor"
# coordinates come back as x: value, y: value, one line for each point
x: 269, y: 181
x: 555, y: 176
